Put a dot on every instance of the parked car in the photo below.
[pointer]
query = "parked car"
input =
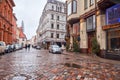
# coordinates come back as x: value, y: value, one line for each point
x: 8, y: 49
x: 38, y: 47
x: 18, y: 46
x: 55, y: 49
x: 2, y: 47
x: 13, y: 47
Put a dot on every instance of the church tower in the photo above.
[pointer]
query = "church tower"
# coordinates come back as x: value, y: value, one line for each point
x: 22, y: 26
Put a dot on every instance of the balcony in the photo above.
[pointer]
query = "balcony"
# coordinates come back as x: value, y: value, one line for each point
x: 104, y: 4
x: 73, y: 20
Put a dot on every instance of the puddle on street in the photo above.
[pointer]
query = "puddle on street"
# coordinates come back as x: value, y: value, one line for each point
x: 39, y: 56
x: 19, y: 78
x: 73, y: 65
x: 67, y: 58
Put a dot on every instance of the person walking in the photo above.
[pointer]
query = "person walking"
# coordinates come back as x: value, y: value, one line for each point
x: 28, y: 47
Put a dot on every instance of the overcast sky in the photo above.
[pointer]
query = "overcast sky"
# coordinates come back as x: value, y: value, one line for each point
x: 29, y: 11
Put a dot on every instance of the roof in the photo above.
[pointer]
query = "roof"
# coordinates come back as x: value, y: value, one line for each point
x: 22, y: 35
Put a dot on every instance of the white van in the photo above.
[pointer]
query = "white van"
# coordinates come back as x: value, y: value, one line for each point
x: 2, y: 47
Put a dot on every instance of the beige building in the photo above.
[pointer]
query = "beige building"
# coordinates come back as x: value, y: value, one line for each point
x: 51, y: 29
x: 86, y: 19
x: 33, y: 41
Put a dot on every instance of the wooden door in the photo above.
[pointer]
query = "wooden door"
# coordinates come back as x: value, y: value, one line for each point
x: 90, y: 36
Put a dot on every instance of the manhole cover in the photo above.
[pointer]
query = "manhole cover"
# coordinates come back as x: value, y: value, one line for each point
x: 19, y: 78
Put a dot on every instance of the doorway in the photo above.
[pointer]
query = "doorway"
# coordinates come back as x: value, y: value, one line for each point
x: 90, y: 37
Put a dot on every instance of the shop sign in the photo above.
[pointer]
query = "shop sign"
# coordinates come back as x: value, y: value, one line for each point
x: 111, y: 26
x: 113, y: 14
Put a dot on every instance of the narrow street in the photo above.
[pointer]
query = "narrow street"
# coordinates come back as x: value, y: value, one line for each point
x: 42, y: 65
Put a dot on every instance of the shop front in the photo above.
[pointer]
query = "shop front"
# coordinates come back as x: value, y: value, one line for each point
x: 113, y: 40
x: 113, y: 29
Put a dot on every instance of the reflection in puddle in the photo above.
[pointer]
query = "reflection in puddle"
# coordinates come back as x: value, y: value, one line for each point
x: 19, y: 78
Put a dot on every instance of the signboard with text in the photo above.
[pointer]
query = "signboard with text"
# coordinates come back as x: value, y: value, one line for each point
x: 113, y: 14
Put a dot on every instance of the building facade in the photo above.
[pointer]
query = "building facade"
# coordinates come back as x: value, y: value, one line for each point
x: 91, y: 16
x: 14, y: 29
x: 22, y: 37
x: 33, y: 41
x: 6, y: 14
x: 52, y: 24
x: 111, y: 14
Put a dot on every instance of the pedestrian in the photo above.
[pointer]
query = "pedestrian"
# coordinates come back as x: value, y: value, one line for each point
x: 28, y: 47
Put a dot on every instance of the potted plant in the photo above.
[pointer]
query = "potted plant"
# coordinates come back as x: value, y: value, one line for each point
x: 76, y: 47
x: 95, y: 46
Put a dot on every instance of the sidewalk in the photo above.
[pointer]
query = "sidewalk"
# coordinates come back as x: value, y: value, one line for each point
x: 92, y: 57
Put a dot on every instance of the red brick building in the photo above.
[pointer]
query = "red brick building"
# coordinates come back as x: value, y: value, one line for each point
x: 14, y: 29
x: 6, y: 14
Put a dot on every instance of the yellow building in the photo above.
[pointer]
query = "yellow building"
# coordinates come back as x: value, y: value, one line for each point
x: 90, y: 16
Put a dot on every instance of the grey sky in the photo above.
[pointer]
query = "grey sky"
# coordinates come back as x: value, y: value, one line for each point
x: 29, y: 11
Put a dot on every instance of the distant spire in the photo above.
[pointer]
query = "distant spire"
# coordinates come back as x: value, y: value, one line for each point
x: 22, y: 25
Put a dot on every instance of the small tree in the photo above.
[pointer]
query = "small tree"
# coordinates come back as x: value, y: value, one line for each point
x: 95, y: 46
x: 76, y: 46
x: 67, y: 47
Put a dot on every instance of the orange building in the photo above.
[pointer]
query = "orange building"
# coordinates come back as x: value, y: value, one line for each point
x: 14, y: 29
x: 6, y: 14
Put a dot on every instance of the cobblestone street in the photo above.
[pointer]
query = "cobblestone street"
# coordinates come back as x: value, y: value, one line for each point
x: 42, y: 65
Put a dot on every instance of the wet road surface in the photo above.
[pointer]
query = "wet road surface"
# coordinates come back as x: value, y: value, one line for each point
x: 42, y: 65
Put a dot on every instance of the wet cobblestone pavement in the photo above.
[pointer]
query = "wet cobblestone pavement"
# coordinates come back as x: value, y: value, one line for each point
x: 42, y: 65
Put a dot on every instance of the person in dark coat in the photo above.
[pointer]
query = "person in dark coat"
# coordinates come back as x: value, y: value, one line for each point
x: 28, y: 46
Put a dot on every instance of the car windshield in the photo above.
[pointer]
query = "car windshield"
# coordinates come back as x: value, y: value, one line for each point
x: 1, y: 44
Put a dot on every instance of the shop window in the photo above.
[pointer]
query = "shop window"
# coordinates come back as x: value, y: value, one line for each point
x: 90, y: 23
x: 113, y: 41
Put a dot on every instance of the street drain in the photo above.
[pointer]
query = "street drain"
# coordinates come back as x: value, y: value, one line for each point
x: 74, y: 65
